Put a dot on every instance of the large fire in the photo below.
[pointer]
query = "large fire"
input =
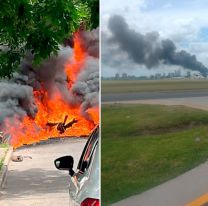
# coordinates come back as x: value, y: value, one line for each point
x: 54, y: 112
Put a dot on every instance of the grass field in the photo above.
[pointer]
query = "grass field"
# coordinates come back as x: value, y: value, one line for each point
x: 145, y: 145
x: 5, y: 147
x: 122, y: 86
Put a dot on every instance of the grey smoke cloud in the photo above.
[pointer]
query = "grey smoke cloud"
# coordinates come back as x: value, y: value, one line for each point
x: 87, y: 86
x: 90, y: 42
x: 49, y: 75
x: 16, y: 100
x: 145, y: 49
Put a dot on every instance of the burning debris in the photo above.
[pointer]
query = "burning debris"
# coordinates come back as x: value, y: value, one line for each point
x: 147, y: 49
x: 62, y: 126
x: 35, y: 101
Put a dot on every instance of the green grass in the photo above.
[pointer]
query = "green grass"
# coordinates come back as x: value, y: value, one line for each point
x: 6, y: 146
x: 1, y: 163
x: 122, y: 86
x: 145, y: 145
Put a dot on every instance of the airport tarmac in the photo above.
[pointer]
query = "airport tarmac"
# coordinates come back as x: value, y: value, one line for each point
x: 195, y: 99
x: 132, y: 96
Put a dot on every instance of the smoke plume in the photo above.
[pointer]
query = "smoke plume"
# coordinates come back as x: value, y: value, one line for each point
x: 90, y: 42
x: 148, y: 49
x: 16, y: 94
x: 16, y: 100
x: 87, y: 86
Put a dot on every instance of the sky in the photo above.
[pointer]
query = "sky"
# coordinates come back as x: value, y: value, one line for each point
x: 183, y: 22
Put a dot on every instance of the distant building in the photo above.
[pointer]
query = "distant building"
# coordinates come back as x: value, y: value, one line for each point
x: 117, y: 76
x: 188, y: 74
x: 124, y: 76
x: 197, y: 76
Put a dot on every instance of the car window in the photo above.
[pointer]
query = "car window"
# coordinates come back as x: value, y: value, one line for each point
x: 87, y: 153
x: 91, y: 156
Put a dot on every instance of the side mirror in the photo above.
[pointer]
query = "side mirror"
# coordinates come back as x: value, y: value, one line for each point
x: 65, y: 163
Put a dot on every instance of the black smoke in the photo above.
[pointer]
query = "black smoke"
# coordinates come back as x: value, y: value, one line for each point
x: 16, y: 100
x: 148, y: 49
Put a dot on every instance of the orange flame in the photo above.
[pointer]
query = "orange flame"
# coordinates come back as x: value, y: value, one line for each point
x: 54, y: 110
x: 74, y: 67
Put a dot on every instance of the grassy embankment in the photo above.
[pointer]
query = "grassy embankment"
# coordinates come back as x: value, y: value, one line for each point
x: 121, y: 86
x: 145, y: 145
x: 3, y: 148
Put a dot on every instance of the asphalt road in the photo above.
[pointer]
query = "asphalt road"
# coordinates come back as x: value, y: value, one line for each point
x: 36, y: 181
x: 113, y: 97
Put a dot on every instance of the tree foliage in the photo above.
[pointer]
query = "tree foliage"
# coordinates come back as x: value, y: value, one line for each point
x: 94, y: 11
x: 38, y: 26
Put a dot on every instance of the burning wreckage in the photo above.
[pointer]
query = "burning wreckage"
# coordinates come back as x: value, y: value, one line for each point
x: 62, y: 126
x: 57, y: 99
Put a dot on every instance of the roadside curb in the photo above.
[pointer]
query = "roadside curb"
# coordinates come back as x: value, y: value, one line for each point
x: 3, y: 172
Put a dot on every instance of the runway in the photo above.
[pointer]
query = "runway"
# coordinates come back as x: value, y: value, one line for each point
x: 115, y: 97
x: 196, y: 99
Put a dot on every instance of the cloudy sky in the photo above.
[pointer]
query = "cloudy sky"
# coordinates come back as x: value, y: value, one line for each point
x: 183, y: 22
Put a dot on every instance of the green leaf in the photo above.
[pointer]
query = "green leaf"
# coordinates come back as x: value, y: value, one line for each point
x: 40, y: 26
